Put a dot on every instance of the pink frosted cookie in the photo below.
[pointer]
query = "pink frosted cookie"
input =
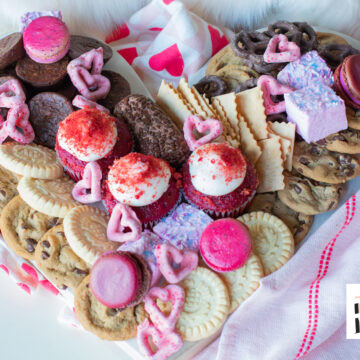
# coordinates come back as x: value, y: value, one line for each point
x: 225, y: 245
x: 46, y: 39
x: 115, y: 279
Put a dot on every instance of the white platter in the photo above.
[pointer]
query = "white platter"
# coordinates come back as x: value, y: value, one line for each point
x: 28, y: 324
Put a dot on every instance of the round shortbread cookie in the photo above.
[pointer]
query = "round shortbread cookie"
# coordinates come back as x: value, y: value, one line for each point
x: 51, y: 197
x: 206, y: 305
x: 8, y: 186
x: 242, y: 282
x: 30, y: 160
x: 55, y: 258
x: 272, y: 239
x: 85, y: 230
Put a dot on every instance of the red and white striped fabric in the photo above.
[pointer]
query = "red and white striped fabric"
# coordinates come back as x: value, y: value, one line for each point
x: 299, y: 311
x: 163, y: 40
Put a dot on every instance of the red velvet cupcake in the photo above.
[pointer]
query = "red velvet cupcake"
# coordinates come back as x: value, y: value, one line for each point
x: 143, y: 182
x: 219, y: 180
x: 91, y: 135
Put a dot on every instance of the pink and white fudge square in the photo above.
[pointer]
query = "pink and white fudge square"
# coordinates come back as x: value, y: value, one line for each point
x: 306, y: 70
x: 317, y: 112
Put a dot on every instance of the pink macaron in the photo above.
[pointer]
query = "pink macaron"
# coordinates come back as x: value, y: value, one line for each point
x: 115, y: 279
x: 46, y: 39
x: 225, y: 245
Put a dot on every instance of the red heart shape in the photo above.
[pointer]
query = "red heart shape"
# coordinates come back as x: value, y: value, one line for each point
x: 217, y: 41
x: 121, y: 32
x: 167, y: 2
x: 170, y: 60
x: 212, y: 125
x: 172, y: 293
x: 129, y: 54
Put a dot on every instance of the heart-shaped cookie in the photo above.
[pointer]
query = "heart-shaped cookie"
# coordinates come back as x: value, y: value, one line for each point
x: 280, y: 50
x: 173, y: 293
x: 186, y: 262
x: 271, y: 86
x: 213, y: 126
x: 88, y: 190
x: 122, y: 218
x: 167, y: 343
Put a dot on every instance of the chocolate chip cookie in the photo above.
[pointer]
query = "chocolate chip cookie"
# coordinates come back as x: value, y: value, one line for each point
x: 345, y: 141
x: 55, y: 258
x: 353, y: 118
x: 298, y: 223
x: 8, y: 187
x: 107, y: 323
x: 325, y: 38
x: 22, y: 227
x: 11, y: 49
x: 320, y: 164
x: 309, y: 196
x: 153, y: 130
x: 47, y: 109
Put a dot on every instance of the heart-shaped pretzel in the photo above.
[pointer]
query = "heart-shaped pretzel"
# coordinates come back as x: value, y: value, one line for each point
x: 280, y: 50
x: 167, y: 254
x: 196, y: 122
x: 80, y: 102
x: 88, y: 190
x: 11, y: 94
x: 173, y: 293
x: 167, y: 343
x: 92, y: 60
x: 271, y: 86
x: 123, y: 217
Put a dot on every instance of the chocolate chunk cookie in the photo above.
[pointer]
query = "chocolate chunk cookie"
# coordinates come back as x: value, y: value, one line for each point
x: 320, y: 164
x: 8, y: 187
x: 353, y: 118
x: 118, y: 90
x: 107, y: 323
x: 41, y: 75
x: 298, y: 223
x: 55, y: 258
x: 309, y: 197
x: 82, y: 44
x: 11, y: 49
x: 153, y: 130
x: 47, y: 109
x: 22, y: 227
x: 345, y: 141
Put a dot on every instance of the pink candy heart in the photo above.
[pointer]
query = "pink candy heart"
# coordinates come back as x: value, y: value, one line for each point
x: 91, y: 181
x: 173, y: 293
x: 123, y: 217
x: 280, y: 50
x: 195, y: 122
x: 187, y: 261
x: 167, y: 343
x: 80, y: 102
x: 271, y: 86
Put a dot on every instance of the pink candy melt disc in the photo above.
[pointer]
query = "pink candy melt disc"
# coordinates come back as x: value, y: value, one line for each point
x: 114, y: 279
x: 225, y: 245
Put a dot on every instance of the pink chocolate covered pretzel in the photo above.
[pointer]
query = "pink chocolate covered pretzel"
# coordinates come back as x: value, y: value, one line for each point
x: 81, y: 101
x: 11, y: 94
x: 280, y: 49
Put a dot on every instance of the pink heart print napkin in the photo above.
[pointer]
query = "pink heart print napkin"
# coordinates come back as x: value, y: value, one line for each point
x: 164, y: 40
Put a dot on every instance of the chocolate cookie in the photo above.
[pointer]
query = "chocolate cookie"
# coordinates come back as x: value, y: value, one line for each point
x: 345, y: 141
x: 298, y: 223
x: 8, y: 187
x: 22, y: 227
x: 153, y: 130
x: 47, y: 109
x: 11, y: 49
x: 320, y: 164
x: 118, y: 90
x: 308, y: 196
x: 41, y: 75
x: 55, y: 258
x: 82, y: 44
x: 107, y: 323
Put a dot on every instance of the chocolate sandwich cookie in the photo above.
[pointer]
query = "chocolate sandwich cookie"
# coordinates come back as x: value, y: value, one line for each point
x: 82, y: 44
x: 118, y: 90
x: 41, y: 75
x: 11, y: 49
x: 67, y: 89
x: 153, y: 130
x: 47, y: 109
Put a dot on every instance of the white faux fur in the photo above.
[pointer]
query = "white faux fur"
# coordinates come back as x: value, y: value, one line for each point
x: 98, y: 17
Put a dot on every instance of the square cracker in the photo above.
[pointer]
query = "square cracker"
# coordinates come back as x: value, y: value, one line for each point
x: 251, y: 106
x: 285, y: 146
x: 286, y: 131
x: 174, y: 104
x: 248, y: 143
x: 270, y: 166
